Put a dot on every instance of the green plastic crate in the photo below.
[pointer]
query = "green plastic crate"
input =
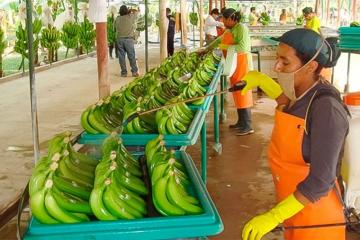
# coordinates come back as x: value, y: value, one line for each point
x: 206, y: 224
x: 186, y: 139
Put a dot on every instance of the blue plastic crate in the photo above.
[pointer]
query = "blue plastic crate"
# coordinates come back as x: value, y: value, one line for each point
x: 205, y: 224
x: 186, y: 139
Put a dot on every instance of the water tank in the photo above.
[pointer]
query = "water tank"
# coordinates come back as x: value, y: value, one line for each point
x: 351, y: 161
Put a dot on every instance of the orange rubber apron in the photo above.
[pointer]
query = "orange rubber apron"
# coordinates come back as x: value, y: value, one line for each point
x: 289, y: 169
x: 240, y: 101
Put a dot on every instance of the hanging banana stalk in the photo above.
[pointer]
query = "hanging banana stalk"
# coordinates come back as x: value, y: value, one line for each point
x: 70, y: 36
x: 87, y: 35
x: 50, y: 39
x: 2, y: 49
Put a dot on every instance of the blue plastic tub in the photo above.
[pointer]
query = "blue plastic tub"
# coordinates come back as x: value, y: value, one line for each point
x: 206, y: 224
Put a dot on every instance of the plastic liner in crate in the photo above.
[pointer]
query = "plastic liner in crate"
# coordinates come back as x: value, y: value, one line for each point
x: 211, y: 89
x: 186, y: 139
x: 160, y: 227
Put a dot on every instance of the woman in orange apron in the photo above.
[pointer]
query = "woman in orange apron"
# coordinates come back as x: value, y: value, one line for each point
x: 307, y: 141
x: 237, y: 35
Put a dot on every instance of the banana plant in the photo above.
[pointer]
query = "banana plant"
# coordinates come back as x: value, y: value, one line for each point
x: 50, y: 39
x: 111, y: 34
x: 36, y: 31
x: 21, y: 43
x: 2, y: 49
x: 70, y: 36
x: 87, y: 35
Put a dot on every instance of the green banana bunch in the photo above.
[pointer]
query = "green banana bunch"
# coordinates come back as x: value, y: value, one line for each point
x: 111, y: 34
x: 193, y: 18
x: 87, y: 35
x: 170, y: 182
x: 2, y: 49
x: 61, y: 184
x: 193, y: 89
x: 151, y: 91
x: 21, y: 42
x: 118, y: 186
x: 175, y: 120
x: 101, y: 118
x: 50, y: 38
x: 70, y: 36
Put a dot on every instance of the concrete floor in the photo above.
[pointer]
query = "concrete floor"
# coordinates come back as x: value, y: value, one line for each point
x: 239, y: 180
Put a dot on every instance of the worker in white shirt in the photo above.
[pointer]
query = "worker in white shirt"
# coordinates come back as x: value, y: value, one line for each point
x: 210, y: 26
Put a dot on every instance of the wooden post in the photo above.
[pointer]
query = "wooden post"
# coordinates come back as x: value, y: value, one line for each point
x: 97, y: 14
x: 163, y: 29
x: 201, y: 19
x: 102, y: 59
x: 184, y: 21
x: 210, y: 6
x: 317, y: 4
x: 216, y: 3
x: 327, y: 11
x: 222, y: 4
x: 338, y: 15
x: 354, y: 12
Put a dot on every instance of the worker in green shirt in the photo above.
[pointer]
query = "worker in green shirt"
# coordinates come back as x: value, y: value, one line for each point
x: 312, y: 21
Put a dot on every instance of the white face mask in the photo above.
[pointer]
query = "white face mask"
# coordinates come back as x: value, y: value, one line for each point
x: 287, y: 83
x: 287, y: 80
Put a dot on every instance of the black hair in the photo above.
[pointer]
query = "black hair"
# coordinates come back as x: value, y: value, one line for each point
x: 168, y: 10
x: 252, y: 9
x: 123, y: 10
x: 215, y: 11
x: 307, y: 10
x: 232, y: 14
x: 222, y: 10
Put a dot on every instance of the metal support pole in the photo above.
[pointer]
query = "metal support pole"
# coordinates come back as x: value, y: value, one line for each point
x: 348, y: 74
x: 216, y: 119
x: 203, y: 152
x: 217, y: 145
x: 222, y: 99
x: 146, y: 37
x: 34, y: 119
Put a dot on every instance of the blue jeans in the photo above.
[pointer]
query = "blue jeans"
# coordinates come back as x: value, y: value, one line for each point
x: 244, y: 120
x: 126, y: 46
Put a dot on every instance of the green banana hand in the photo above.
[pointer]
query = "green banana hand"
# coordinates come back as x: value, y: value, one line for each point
x: 38, y: 209
x: 161, y: 201
x: 97, y: 204
x: 175, y: 196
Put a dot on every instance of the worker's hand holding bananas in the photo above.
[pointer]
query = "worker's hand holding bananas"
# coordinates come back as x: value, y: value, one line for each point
x: 255, y: 79
x: 260, y: 225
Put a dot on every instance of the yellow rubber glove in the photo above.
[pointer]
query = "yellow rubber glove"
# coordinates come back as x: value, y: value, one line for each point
x: 255, y: 79
x: 262, y: 224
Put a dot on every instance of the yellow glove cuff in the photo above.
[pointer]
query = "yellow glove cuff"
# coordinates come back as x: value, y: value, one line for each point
x: 287, y: 208
x: 223, y: 46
